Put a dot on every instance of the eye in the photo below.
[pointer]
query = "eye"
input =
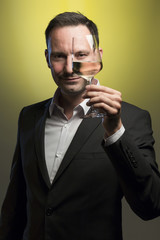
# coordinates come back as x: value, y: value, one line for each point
x: 81, y: 55
x: 58, y: 57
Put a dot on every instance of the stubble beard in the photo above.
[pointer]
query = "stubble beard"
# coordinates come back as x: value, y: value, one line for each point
x: 73, y: 91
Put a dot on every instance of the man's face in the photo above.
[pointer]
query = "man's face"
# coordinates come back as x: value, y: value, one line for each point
x: 59, y: 58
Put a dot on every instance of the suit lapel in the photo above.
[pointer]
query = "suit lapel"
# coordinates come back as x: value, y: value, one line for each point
x: 83, y: 133
x: 41, y: 116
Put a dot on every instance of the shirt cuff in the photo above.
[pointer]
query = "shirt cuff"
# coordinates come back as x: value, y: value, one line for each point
x: 113, y: 138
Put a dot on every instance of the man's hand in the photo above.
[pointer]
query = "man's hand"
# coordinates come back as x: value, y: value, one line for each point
x: 108, y: 101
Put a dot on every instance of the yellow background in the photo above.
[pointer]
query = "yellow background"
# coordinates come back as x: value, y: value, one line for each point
x: 130, y: 37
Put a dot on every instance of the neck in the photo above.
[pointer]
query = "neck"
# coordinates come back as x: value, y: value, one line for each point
x: 69, y: 102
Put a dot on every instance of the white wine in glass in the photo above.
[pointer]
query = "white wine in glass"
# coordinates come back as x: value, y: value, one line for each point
x: 87, y: 70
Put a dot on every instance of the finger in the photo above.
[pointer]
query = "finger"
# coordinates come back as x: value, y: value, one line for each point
x: 113, y: 102
x: 98, y: 97
x: 104, y: 89
x: 102, y: 97
x: 110, y: 111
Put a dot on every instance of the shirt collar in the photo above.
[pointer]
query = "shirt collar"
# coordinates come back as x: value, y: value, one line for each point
x: 54, y: 103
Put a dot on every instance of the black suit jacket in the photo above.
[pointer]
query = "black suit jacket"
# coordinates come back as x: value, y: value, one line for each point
x: 84, y: 200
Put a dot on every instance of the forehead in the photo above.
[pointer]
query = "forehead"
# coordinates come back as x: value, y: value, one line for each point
x: 62, y: 36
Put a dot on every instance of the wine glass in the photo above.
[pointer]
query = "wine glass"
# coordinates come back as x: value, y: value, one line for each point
x: 87, y: 62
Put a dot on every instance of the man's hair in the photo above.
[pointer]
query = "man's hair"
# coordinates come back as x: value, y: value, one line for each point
x: 71, y: 19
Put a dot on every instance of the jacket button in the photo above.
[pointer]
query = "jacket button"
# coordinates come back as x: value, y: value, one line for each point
x: 135, y: 164
x: 49, y: 211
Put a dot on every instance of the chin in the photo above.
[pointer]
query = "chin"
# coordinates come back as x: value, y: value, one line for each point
x: 73, y: 91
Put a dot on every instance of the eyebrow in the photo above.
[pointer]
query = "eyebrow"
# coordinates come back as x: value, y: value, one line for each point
x: 82, y: 51
x: 57, y: 53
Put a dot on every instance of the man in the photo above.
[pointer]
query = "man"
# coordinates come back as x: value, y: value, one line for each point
x: 68, y: 174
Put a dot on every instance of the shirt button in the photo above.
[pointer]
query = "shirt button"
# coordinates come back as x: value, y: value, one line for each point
x: 49, y: 211
x: 58, y: 155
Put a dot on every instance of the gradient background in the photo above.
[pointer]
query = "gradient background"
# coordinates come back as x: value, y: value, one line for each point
x: 130, y: 37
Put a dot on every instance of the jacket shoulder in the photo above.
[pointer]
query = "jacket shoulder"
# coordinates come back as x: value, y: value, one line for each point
x: 133, y: 116
x: 28, y: 113
x: 36, y: 106
x: 131, y: 108
x: 130, y: 111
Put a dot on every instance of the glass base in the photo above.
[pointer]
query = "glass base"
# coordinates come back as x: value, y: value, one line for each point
x: 95, y: 114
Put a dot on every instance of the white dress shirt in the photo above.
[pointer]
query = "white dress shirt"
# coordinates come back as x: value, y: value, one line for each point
x: 59, y: 132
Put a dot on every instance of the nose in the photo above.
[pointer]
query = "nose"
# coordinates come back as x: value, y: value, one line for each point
x: 68, y: 64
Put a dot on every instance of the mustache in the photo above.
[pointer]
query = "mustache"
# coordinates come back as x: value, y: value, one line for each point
x: 67, y: 75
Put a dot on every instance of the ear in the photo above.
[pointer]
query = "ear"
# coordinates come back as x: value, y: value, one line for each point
x: 47, y: 57
x: 101, y: 52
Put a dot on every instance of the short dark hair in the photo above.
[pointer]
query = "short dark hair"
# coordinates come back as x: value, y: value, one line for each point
x: 71, y: 19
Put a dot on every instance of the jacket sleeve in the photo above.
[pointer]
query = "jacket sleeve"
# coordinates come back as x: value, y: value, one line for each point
x: 133, y: 157
x: 13, y: 213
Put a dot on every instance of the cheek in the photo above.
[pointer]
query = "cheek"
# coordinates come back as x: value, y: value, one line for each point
x: 56, y: 69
